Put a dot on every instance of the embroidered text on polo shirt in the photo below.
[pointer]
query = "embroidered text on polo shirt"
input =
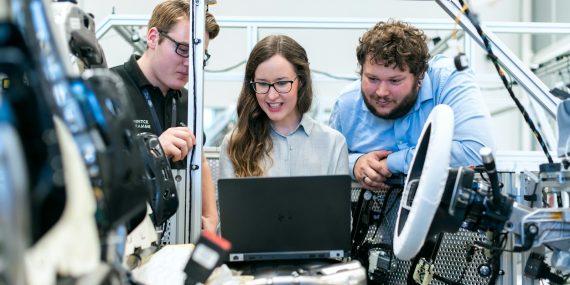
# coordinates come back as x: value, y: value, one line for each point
x: 141, y: 124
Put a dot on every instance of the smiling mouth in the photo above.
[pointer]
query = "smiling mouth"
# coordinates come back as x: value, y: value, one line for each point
x: 382, y: 103
x: 274, y: 106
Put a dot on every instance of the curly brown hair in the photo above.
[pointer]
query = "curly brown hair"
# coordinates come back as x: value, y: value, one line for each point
x: 395, y: 43
x: 251, y: 142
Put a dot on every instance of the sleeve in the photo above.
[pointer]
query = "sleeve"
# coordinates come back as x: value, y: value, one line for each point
x: 472, y: 126
x: 226, y: 168
x: 334, y: 120
x: 399, y: 161
x: 472, y: 129
x: 341, y: 166
x: 335, y: 123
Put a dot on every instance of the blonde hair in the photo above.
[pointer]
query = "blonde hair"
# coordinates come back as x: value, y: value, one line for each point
x: 166, y: 14
x: 212, y: 27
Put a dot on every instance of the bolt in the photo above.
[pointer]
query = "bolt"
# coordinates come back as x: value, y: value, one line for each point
x: 484, y: 270
x: 533, y: 229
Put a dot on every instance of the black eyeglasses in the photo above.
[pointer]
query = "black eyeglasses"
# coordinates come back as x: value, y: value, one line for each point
x: 207, y: 56
x: 281, y: 86
x: 182, y: 50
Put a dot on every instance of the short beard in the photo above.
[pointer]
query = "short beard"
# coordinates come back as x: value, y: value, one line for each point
x: 402, y: 109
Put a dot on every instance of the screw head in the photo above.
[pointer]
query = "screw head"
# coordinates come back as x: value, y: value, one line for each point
x: 484, y: 270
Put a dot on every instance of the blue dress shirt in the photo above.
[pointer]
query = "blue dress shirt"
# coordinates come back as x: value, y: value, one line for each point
x: 442, y: 84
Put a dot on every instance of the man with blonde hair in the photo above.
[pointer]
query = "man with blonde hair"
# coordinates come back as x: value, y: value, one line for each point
x: 155, y: 84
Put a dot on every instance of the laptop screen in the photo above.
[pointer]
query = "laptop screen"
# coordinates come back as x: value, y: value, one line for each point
x: 279, y: 217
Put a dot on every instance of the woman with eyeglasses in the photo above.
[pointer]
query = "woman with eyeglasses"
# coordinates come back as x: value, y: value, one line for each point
x: 274, y: 136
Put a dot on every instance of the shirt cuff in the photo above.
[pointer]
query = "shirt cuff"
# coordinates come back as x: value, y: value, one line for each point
x: 397, y: 162
x: 352, y: 158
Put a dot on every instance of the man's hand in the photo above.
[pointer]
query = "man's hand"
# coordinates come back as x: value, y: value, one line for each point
x: 177, y: 142
x: 371, y: 169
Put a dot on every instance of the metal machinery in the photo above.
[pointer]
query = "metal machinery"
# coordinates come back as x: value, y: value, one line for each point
x: 462, y: 254
x: 437, y: 201
x: 74, y: 173
x: 62, y: 136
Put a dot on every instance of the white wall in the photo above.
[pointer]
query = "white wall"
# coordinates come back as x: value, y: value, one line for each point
x: 332, y: 51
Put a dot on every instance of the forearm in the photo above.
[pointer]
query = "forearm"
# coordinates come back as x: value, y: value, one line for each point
x: 472, y: 120
x: 209, y: 208
x: 465, y: 153
x: 399, y: 161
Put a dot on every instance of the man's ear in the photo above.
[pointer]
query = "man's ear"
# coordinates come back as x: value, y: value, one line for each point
x: 152, y: 37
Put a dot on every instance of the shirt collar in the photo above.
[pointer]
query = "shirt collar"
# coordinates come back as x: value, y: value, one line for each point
x: 306, y: 124
x: 425, y: 93
x: 133, y: 68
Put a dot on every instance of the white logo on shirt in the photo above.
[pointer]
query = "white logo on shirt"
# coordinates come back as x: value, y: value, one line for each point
x: 141, y: 124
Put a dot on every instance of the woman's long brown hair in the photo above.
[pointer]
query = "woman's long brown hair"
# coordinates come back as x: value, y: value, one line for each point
x: 250, y: 142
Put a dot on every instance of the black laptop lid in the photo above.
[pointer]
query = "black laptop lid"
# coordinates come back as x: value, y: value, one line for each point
x: 285, y: 214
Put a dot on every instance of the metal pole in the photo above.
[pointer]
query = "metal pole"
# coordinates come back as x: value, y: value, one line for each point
x: 195, y: 110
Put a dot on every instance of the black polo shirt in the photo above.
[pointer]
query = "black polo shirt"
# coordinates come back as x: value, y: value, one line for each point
x: 136, y: 83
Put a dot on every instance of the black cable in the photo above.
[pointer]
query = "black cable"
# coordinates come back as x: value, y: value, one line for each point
x: 480, y: 171
x: 495, y: 261
x: 445, y: 280
x: 494, y: 59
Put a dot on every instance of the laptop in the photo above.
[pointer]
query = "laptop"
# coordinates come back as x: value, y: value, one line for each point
x: 283, y: 218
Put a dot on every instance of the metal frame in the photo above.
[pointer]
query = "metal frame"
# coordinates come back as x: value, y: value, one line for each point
x: 539, y: 93
x: 516, y: 68
x: 196, y: 87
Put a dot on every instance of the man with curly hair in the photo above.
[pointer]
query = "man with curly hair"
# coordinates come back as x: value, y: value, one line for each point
x: 383, y: 113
